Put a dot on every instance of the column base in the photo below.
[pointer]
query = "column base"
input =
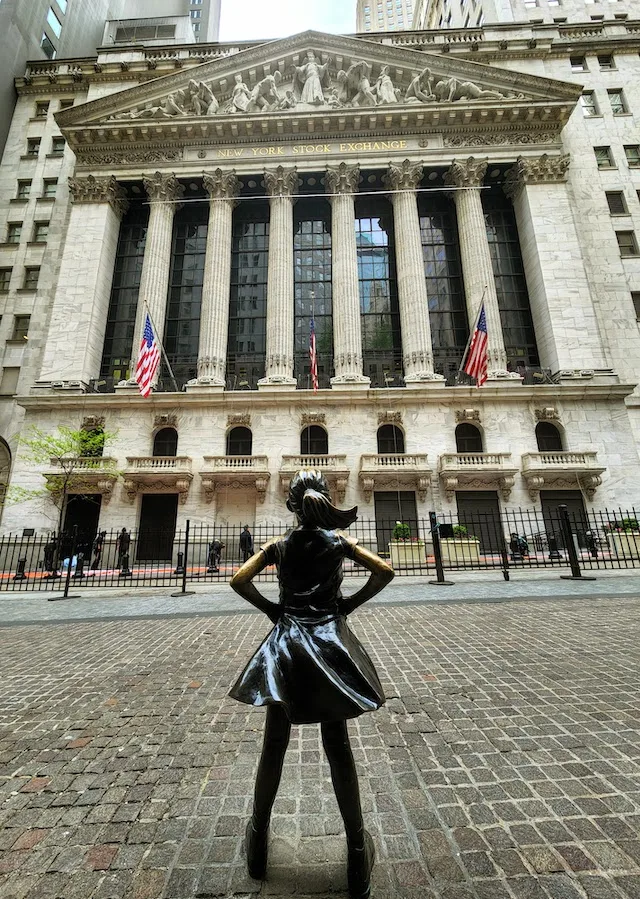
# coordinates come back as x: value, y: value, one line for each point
x: 129, y: 386
x: 350, y: 381
x: 277, y: 382
x: 206, y: 385
x: 424, y: 379
x: 502, y: 378
x: 67, y: 386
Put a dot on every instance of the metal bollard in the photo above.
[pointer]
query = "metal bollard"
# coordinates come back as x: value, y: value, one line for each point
x: 125, y: 571
x: 437, y: 553
x: 554, y: 552
x: 20, y: 573
x: 574, y: 562
x: 180, y: 565
x: 79, y: 572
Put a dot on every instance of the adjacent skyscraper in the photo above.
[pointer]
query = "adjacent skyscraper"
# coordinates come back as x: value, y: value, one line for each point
x: 384, y: 15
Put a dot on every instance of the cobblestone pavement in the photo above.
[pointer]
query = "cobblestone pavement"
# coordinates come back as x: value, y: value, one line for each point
x: 505, y: 765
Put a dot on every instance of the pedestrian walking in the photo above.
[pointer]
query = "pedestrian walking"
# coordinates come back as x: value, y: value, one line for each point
x: 311, y: 668
x: 98, y: 544
x: 123, y: 544
x: 246, y: 543
x: 215, y: 554
x: 49, y: 560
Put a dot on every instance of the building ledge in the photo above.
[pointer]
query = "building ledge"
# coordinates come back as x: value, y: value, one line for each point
x: 477, y: 471
x: 235, y: 471
x: 89, y: 474
x: 333, y: 467
x: 383, y: 471
x: 562, y: 470
x: 157, y: 474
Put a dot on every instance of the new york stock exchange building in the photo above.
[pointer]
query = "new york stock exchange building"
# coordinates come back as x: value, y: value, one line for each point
x: 384, y: 187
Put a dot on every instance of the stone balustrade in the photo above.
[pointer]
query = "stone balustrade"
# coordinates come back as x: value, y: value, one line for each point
x: 395, y: 471
x: 157, y: 474
x: 562, y: 470
x: 334, y: 467
x: 480, y: 471
x: 83, y: 474
x: 235, y: 471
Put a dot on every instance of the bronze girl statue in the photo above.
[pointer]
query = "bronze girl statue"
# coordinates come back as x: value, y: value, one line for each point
x: 311, y: 668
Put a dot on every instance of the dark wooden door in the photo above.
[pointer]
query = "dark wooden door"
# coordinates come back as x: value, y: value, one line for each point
x: 574, y: 502
x: 82, y: 511
x: 157, y: 530
x: 390, y: 507
x: 479, y: 512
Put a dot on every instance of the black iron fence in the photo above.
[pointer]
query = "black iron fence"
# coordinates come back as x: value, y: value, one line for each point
x: 518, y: 539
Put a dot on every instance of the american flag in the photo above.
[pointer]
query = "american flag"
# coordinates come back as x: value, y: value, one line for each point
x: 313, y: 355
x: 148, y: 358
x: 475, y: 363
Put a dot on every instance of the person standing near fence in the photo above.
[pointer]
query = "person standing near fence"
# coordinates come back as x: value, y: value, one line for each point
x: 246, y: 543
x: 98, y: 544
x: 123, y: 544
x: 215, y: 553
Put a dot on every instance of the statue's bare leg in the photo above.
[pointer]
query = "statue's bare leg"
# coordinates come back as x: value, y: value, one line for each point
x: 361, y: 854
x: 277, y: 731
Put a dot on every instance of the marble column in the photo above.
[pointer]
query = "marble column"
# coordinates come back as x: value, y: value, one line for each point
x: 281, y: 184
x: 223, y: 188
x: 562, y: 307
x: 342, y: 183
x: 417, y: 350
x: 73, y: 350
x: 475, y: 257
x: 164, y: 192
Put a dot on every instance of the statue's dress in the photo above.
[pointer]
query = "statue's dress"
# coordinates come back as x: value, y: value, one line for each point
x: 311, y: 664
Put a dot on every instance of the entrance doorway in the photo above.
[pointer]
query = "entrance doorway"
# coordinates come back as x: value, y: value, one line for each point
x: 390, y: 507
x: 82, y: 511
x: 573, y: 500
x: 158, y: 515
x: 479, y: 512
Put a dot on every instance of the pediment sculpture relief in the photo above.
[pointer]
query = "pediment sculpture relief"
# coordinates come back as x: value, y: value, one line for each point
x: 311, y: 86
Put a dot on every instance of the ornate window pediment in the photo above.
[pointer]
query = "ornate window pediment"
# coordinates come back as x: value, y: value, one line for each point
x: 264, y: 90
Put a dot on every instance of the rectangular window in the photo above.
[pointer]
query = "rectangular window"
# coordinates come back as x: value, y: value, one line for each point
x: 635, y: 299
x: 627, y: 243
x: 5, y: 279
x: 604, y: 157
x: 632, y: 152
x: 605, y: 61
x: 57, y: 146
x: 14, y: 232
x: 31, y: 275
x: 47, y: 47
x: 33, y: 146
x: 618, y: 106
x: 40, y: 232
x: 42, y: 108
x: 24, y: 189
x: 63, y: 5
x: 588, y: 103
x: 54, y: 22
x: 196, y: 14
x: 49, y: 187
x: 66, y: 104
x: 9, y: 381
x: 578, y: 64
x: 616, y: 201
x: 21, y: 327
x: 196, y: 27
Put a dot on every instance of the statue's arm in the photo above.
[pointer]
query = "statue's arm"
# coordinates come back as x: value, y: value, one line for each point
x: 381, y: 575
x: 241, y: 583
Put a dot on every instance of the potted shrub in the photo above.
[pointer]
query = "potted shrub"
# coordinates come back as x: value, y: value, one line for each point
x: 406, y: 551
x: 623, y: 537
x: 462, y: 548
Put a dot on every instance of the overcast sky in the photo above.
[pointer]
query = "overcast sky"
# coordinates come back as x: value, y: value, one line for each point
x: 251, y: 19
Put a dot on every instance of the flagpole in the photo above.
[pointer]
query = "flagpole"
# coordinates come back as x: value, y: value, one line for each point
x: 158, y: 338
x: 472, y: 330
x: 313, y: 319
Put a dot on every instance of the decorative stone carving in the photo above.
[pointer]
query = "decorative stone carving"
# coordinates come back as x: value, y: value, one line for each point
x: 500, y: 138
x: 450, y: 89
x: 196, y: 98
x: 390, y: 417
x: 467, y: 173
x: 543, y: 169
x: 221, y: 185
x: 549, y: 413
x: 467, y: 415
x: 169, y: 420
x: 163, y: 188
x: 129, y: 156
x: 405, y: 176
x: 239, y: 419
x: 310, y: 79
x: 356, y: 86
x: 421, y: 88
x: 343, y: 179
x: 99, y: 190
x: 240, y: 95
x: 265, y: 97
x: 92, y: 422
x: 385, y: 91
x: 280, y: 182
x: 312, y: 418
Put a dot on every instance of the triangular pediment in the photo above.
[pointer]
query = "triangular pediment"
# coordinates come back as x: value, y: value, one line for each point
x: 314, y: 81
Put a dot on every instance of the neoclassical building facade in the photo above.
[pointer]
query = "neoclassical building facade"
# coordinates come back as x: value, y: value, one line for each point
x: 384, y: 189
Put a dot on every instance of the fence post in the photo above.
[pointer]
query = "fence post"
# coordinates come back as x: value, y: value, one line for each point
x: 574, y: 562
x: 183, y: 572
x: 67, y: 582
x: 437, y: 552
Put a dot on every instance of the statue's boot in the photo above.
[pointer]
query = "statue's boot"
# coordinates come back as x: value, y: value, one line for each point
x: 359, y: 864
x: 256, y: 845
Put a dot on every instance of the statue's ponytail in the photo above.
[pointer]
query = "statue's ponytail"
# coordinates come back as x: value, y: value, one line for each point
x: 310, y: 500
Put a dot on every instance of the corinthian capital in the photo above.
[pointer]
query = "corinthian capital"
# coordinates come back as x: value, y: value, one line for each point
x: 343, y: 179
x: 163, y: 188
x: 543, y: 169
x: 280, y: 182
x: 221, y: 185
x: 99, y: 190
x: 405, y: 176
x: 467, y: 173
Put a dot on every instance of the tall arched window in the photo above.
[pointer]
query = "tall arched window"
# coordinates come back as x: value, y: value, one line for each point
x: 390, y: 440
x: 239, y: 442
x: 548, y: 437
x: 314, y: 441
x: 468, y: 439
x: 165, y: 443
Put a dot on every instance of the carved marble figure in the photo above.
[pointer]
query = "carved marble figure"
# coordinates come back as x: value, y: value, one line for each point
x: 384, y: 89
x: 356, y: 87
x: 311, y: 668
x: 265, y: 94
x: 421, y: 89
x: 451, y: 89
x: 312, y: 77
x: 240, y: 96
